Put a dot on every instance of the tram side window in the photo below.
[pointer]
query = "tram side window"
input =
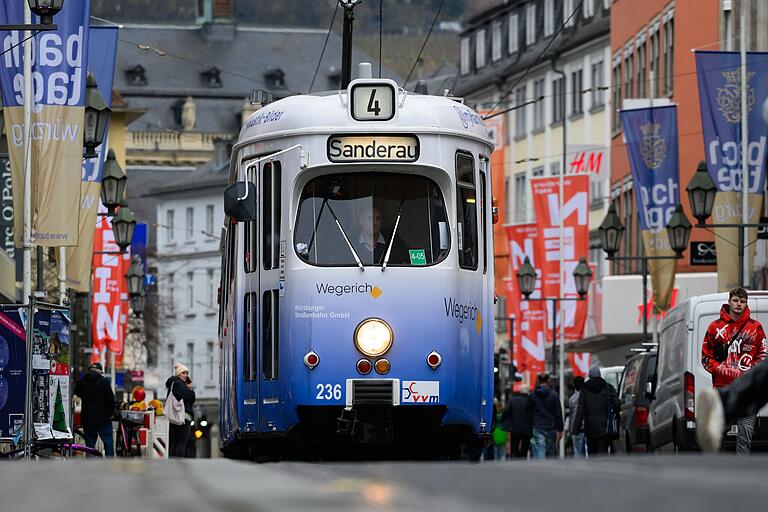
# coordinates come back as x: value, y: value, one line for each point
x: 249, y: 336
x: 270, y: 333
x: 466, y: 211
x: 365, y: 216
x: 270, y: 214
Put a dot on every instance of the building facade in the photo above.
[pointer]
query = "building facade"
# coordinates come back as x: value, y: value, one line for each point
x: 512, y: 67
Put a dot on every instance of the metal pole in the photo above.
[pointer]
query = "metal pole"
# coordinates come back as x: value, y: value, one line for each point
x: 346, y: 46
x: 644, y: 268
x: 62, y: 274
x: 744, y: 256
x: 512, y: 342
x: 27, y: 231
x: 554, y: 336
x: 561, y: 194
x: 112, y: 369
x: 39, y: 265
x: 28, y: 385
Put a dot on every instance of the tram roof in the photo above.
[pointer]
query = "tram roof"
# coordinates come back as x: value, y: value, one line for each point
x: 328, y: 113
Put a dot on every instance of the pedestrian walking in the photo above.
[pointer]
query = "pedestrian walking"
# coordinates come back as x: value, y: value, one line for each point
x: 546, y: 419
x: 718, y: 407
x: 597, y: 400
x: 516, y: 421
x: 733, y: 344
x: 98, y: 406
x: 499, y: 435
x: 181, y: 386
x: 577, y: 440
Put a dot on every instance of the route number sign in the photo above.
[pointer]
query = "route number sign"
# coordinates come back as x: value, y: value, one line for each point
x: 373, y: 102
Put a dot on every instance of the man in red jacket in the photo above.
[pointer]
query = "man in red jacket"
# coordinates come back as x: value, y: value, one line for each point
x: 732, y: 345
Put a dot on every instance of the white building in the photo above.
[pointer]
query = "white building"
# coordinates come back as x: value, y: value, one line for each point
x: 190, y: 213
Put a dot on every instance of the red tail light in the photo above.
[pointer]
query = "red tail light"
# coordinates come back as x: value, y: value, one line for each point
x: 434, y: 359
x: 364, y: 367
x: 641, y: 416
x: 311, y: 359
x: 689, y: 396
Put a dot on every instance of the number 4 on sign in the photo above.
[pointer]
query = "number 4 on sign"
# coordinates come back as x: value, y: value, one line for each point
x: 373, y: 103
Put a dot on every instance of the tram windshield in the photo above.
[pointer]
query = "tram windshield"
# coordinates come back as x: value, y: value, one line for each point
x: 371, y: 219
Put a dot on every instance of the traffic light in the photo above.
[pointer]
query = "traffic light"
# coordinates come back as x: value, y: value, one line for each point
x: 201, y: 428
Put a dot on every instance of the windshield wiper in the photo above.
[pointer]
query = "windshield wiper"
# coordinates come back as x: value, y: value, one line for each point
x: 392, y: 238
x: 346, y: 239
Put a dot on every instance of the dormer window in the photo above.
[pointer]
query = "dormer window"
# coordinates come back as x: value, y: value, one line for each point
x: 275, y: 78
x: 136, y: 75
x: 211, y: 77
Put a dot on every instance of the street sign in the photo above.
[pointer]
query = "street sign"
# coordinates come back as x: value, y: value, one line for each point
x: 703, y: 253
x: 762, y: 232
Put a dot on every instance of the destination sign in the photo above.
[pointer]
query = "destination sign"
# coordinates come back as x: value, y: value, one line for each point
x: 378, y: 148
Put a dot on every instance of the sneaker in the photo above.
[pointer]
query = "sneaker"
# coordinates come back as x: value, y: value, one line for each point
x: 710, y: 420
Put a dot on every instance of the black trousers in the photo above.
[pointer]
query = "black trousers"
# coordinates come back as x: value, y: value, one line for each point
x: 520, y: 444
x: 747, y: 394
x: 597, y: 445
x: 179, y: 437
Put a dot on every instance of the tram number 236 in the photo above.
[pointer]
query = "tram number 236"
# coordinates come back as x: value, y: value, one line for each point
x: 328, y: 392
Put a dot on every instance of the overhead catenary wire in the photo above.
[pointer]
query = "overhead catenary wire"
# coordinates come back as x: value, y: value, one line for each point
x: 426, y: 40
x: 381, y: 30
x: 325, y: 44
x: 20, y: 42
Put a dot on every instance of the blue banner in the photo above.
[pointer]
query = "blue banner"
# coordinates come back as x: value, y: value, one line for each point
x: 59, y: 57
x: 651, y: 139
x: 719, y: 77
x: 12, y: 372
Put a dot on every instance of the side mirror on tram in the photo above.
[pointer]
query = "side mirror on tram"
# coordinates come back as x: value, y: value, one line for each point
x: 240, y: 201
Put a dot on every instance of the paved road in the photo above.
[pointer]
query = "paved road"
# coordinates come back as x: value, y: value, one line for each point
x: 689, y: 483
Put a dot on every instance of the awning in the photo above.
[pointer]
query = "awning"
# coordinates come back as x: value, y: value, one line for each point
x: 602, y: 342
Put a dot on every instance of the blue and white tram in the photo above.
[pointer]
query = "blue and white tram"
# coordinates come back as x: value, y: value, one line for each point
x: 357, y: 285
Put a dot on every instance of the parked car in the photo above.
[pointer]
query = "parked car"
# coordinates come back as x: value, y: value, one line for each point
x: 672, y: 418
x: 635, y: 398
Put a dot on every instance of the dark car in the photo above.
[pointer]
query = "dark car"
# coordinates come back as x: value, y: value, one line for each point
x: 635, y: 401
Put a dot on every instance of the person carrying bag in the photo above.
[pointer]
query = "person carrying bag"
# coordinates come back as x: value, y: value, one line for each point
x: 179, y: 409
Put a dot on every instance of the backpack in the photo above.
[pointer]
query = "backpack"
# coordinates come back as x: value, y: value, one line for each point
x: 174, y: 408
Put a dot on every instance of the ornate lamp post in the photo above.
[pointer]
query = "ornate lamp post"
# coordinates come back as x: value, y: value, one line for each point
x: 123, y: 225
x: 96, y: 116
x: 46, y: 9
x: 112, y: 183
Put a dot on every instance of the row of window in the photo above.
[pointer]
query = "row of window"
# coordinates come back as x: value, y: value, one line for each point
x: 195, y: 364
x: 637, y: 69
x: 189, y: 226
x: 207, y: 299
x: 510, y: 28
x: 559, y: 94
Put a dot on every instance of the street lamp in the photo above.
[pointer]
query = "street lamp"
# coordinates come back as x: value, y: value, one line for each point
x: 96, y: 117
x: 582, y: 274
x: 678, y: 230
x: 46, y: 9
x: 123, y: 225
x: 135, y: 276
x: 112, y: 183
x: 526, y: 278
x: 611, y: 231
x: 701, y: 193
x: 138, y: 302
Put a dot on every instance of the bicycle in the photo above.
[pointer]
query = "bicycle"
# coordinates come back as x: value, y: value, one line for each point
x: 54, y: 449
x: 127, y: 441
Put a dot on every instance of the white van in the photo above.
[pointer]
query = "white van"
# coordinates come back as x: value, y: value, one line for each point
x: 680, y: 374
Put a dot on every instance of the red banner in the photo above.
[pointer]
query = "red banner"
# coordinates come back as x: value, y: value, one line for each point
x: 530, y: 335
x: 110, y: 291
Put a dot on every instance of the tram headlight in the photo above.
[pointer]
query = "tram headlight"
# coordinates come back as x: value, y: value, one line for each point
x: 373, y: 337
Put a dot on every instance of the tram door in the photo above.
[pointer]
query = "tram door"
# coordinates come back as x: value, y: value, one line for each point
x: 266, y: 261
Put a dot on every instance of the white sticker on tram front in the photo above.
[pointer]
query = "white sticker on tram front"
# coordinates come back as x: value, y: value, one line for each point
x: 421, y: 391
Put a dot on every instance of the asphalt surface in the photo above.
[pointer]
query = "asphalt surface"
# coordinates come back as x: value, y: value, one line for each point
x: 687, y: 483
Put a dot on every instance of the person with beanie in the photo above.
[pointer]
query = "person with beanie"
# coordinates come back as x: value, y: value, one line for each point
x: 181, y: 386
x: 98, y: 406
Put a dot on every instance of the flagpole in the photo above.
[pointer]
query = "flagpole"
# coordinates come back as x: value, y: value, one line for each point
x: 743, y: 278
x: 27, y: 219
x: 62, y: 274
x: 561, y: 279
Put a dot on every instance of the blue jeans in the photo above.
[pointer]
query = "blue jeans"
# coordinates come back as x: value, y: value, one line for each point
x: 543, y: 444
x: 500, y: 452
x: 578, y: 445
x: 105, y: 433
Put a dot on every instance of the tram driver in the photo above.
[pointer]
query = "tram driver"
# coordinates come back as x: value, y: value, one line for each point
x: 371, y: 244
